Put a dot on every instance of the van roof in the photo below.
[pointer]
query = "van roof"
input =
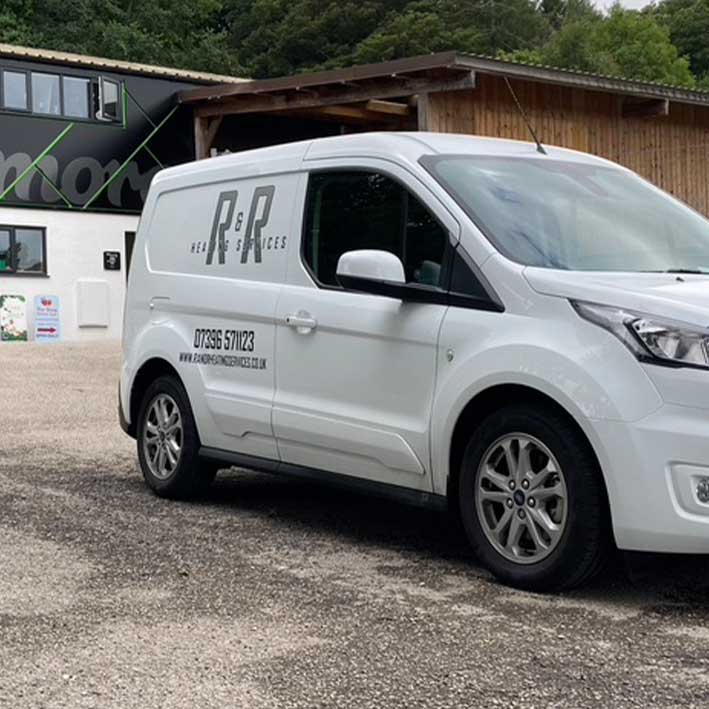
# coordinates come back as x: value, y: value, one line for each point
x: 408, y: 147
x: 416, y: 144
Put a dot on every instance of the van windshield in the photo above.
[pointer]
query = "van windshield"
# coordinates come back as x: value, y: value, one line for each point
x: 574, y: 216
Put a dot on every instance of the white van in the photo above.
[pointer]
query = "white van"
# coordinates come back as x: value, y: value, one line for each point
x: 452, y: 321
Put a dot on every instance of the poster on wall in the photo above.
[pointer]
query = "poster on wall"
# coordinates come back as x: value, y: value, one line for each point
x: 13, y: 318
x: 46, y: 318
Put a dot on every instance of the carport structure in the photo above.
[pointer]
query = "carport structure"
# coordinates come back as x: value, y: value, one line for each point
x: 388, y: 96
x: 661, y: 132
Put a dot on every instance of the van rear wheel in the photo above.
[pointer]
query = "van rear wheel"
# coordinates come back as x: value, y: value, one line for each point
x: 532, y: 499
x: 168, y: 443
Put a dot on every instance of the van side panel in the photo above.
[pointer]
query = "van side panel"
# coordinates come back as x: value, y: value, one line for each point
x: 215, y: 260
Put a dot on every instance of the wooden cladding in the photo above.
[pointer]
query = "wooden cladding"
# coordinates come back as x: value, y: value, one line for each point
x: 668, y: 145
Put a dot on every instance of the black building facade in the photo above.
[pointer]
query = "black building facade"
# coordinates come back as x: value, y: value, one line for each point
x: 80, y: 140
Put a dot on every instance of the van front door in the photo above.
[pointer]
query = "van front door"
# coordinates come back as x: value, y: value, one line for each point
x: 355, y: 373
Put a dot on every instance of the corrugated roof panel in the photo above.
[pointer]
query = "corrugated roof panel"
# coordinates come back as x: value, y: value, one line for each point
x: 79, y: 60
x: 449, y: 62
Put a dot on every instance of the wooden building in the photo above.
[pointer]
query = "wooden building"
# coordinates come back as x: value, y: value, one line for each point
x: 662, y: 132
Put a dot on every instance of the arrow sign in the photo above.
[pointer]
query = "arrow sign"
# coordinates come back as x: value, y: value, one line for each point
x: 47, y: 326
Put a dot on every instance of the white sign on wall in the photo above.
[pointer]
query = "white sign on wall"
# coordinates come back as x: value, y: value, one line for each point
x: 13, y: 318
x: 46, y: 318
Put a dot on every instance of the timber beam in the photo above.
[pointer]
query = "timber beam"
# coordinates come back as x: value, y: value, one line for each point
x: 388, y: 107
x: 346, y: 93
x: 384, y: 112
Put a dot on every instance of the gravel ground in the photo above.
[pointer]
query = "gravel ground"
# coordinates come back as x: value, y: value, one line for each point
x: 279, y: 593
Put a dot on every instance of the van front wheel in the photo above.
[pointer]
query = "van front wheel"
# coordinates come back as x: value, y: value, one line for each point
x: 532, y: 499
x: 168, y: 444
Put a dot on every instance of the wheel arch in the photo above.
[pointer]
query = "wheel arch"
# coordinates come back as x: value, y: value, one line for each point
x: 487, y: 402
x: 148, y: 372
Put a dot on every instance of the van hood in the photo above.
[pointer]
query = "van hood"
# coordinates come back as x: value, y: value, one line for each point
x: 669, y: 295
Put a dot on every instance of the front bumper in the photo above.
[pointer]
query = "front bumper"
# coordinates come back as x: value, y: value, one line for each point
x: 652, y: 469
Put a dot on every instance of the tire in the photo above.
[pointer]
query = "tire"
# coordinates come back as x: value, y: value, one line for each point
x: 549, y: 528
x: 178, y: 474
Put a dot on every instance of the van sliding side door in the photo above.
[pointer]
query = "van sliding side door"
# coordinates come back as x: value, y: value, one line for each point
x: 227, y: 258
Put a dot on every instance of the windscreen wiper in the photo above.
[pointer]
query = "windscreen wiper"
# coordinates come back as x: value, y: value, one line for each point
x: 689, y: 271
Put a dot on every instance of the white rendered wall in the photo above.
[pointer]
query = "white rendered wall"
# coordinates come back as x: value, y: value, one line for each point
x: 75, y: 245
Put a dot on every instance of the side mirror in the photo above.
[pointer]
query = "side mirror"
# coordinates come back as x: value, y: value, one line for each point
x: 372, y: 265
x: 381, y: 273
x: 372, y: 271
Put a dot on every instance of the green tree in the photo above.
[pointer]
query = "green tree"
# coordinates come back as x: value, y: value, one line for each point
x: 16, y: 22
x: 416, y: 32
x: 641, y: 48
x: 625, y: 43
x: 262, y: 38
x: 278, y: 37
x: 688, y: 24
x: 180, y: 33
x: 559, y: 12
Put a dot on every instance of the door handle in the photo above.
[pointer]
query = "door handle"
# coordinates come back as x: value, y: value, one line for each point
x: 302, y: 322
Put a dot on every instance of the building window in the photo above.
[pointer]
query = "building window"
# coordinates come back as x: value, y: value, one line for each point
x: 367, y: 210
x: 76, y: 97
x: 45, y: 94
x: 4, y: 250
x: 22, y: 251
x: 14, y: 90
x: 109, y: 100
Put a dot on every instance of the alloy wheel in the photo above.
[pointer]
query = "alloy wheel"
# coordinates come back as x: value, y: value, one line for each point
x: 521, y: 498
x: 163, y: 436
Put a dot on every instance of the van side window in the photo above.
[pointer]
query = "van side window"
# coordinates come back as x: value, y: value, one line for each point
x: 347, y: 211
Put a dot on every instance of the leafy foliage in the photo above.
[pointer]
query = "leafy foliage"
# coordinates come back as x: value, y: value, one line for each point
x: 478, y: 26
x: 688, y: 24
x: 183, y: 33
x: 625, y: 43
x: 667, y: 42
x: 278, y: 37
x: 640, y: 48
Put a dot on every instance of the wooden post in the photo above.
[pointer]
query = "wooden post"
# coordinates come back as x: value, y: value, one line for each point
x: 422, y: 106
x: 205, y: 131
x: 200, y: 150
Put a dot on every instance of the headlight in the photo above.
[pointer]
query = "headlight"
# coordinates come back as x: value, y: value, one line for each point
x: 649, y: 337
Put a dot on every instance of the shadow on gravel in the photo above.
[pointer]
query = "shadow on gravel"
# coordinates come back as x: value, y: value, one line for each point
x: 315, y: 507
x: 675, y: 582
